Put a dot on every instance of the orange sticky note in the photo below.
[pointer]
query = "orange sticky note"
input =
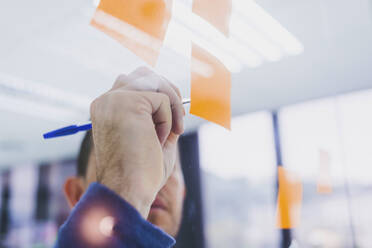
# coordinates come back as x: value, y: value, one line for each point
x: 216, y: 12
x: 324, y: 182
x: 289, y: 199
x: 139, y: 25
x: 210, y: 88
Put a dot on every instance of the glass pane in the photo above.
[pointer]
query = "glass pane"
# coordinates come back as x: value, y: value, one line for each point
x: 238, y: 169
x: 312, y: 148
x: 356, y: 119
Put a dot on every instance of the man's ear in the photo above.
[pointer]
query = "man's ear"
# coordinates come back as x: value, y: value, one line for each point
x: 73, y: 190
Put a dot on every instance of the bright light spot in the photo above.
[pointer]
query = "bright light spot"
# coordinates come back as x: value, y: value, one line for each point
x: 106, y: 225
x: 96, y: 3
x: 96, y: 226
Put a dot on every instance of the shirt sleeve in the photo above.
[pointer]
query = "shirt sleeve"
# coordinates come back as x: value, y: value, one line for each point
x: 102, y: 218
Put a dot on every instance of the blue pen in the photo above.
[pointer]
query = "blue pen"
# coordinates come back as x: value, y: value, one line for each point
x: 70, y: 130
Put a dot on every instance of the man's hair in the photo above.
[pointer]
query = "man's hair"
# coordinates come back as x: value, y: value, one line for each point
x: 84, y: 154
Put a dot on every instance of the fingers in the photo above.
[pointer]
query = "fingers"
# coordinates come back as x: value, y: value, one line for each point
x: 122, y: 80
x: 175, y: 88
x: 144, y: 79
x: 141, y: 71
x: 176, y: 106
x: 161, y: 114
x: 178, y: 92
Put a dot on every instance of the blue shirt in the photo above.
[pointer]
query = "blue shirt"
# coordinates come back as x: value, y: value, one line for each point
x: 83, y: 228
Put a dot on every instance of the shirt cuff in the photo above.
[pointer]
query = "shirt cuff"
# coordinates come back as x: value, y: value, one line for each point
x: 104, y: 219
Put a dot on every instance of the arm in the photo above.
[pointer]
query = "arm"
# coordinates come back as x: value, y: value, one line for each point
x: 136, y: 126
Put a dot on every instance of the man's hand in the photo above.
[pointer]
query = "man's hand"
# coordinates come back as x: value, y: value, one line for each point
x: 136, y: 126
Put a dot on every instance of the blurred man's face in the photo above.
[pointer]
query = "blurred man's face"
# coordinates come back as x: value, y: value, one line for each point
x: 166, y: 211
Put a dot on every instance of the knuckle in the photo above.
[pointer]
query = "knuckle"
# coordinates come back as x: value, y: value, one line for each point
x: 93, y: 107
x: 120, y: 80
x: 121, y: 77
x: 165, y: 98
x: 164, y: 82
x: 143, y: 70
x: 176, y: 89
x: 171, y: 87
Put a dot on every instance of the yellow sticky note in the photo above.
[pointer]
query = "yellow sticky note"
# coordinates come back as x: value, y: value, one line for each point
x: 216, y: 12
x: 289, y: 199
x: 210, y: 88
x: 139, y: 25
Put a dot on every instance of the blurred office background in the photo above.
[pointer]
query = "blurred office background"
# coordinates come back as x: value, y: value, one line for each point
x: 305, y: 104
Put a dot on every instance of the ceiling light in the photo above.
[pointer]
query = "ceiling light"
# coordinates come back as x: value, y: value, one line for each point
x: 42, y: 101
x: 255, y: 36
x: 45, y: 111
x: 251, y: 13
x: 42, y: 92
